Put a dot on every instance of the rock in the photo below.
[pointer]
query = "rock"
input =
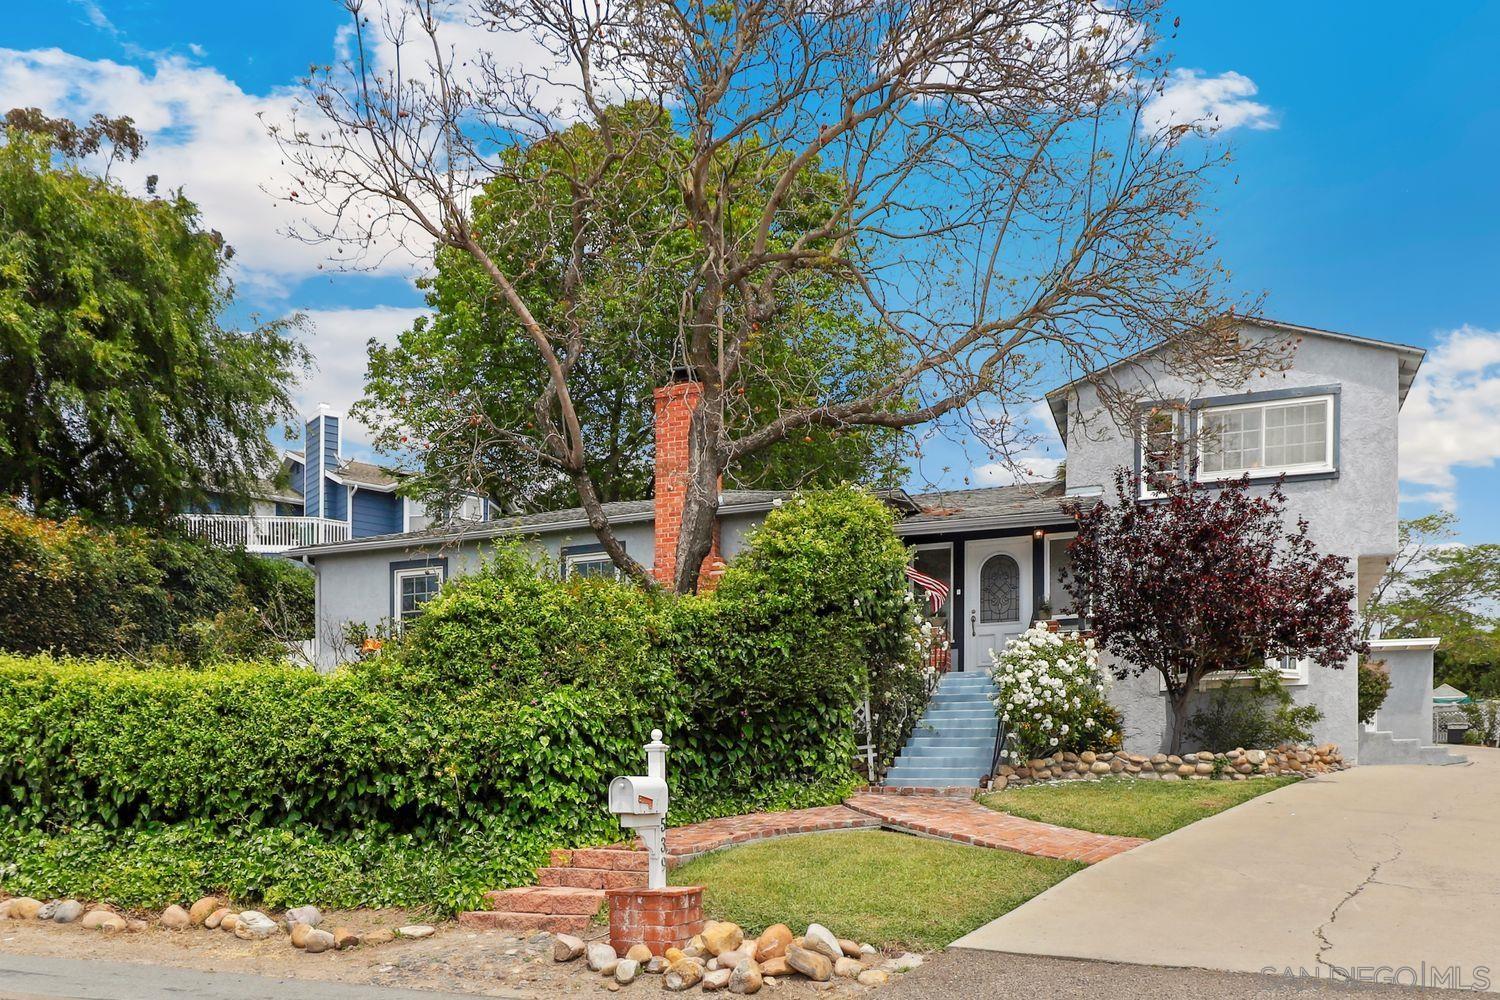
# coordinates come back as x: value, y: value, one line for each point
x: 566, y: 947
x: 95, y: 919
x: 299, y: 934
x: 718, y: 979
x: 116, y: 924
x: 1101, y: 767
x: 1204, y: 768
x: 47, y: 910
x: 1169, y: 776
x: 1255, y: 756
x: 199, y: 912
x: 850, y: 948
x: 904, y: 962
x: 318, y: 941
x: 775, y: 967
x: 626, y: 970
x: 174, y: 918
x: 821, y: 940
x: 229, y: 922
x: 1000, y: 782
x: 745, y: 978
x: 722, y: 937
x: 673, y: 955
x: 773, y: 942
x: 309, y: 915
x: 682, y: 975
x: 1186, y: 769
x: 847, y: 968
x: 730, y: 959
x: 67, y: 911
x: 600, y: 955
x: 415, y: 932
x: 607, y: 970
x: 639, y: 954
x: 381, y: 935
x: 214, y: 919
x: 135, y: 926
x: 873, y: 977
x: 657, y: 965
x: 345, y: 938
x: 1158, y: 758
x: 23, y: 908
x: 1088, y: 756
x: 814, y: 965
x: 867, y: 950
x: 254, y: 925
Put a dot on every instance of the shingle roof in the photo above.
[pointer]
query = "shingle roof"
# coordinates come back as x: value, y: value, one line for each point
x: 1038, y: 501
x: 366, y: 474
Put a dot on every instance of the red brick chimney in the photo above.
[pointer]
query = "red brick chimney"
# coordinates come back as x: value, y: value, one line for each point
x: 675, y: 403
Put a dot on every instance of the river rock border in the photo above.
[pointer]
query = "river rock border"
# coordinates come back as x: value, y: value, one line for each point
x: 1236, y: 765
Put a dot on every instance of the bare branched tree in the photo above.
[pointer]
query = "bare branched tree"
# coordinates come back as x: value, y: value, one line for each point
x: 1005, y: 208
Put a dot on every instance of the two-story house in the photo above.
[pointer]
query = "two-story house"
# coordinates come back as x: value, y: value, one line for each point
x: 1328, y: 424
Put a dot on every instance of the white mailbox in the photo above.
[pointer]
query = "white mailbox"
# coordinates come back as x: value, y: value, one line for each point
x: 641, y: 803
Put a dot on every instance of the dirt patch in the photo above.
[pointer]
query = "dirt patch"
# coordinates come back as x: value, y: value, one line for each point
x: 455, y: 959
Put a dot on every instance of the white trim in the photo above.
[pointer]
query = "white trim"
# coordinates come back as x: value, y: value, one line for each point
x: 575, y: 559
x: 1143, y: 440
x: 1267, y: 471
x: 404, y: 574
x: 1046, y: 594
x: 1403, y: 645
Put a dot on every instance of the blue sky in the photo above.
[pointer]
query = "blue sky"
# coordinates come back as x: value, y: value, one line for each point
x: 1363, y: 195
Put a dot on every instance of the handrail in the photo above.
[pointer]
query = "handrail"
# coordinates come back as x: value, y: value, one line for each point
x: 264, y: 532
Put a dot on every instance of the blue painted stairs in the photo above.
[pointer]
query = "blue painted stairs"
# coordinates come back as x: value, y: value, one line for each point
x: 953, y: 743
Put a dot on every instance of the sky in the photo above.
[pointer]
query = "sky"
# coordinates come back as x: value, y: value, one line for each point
x: 1362, y: 196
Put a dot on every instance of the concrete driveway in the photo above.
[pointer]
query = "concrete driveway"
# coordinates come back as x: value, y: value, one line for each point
x: 1388, y: 874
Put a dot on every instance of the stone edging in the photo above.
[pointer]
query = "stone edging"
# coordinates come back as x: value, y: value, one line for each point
x: 1236, y: 765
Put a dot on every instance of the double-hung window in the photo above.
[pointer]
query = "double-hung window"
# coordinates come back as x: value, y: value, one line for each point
x: 414, y: 588
x: 1294, y: 435
x: 590, y: 564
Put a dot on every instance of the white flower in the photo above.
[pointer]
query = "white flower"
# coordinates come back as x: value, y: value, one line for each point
x: 776, y: 502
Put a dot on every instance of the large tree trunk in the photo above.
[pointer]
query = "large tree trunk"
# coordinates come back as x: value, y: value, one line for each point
x: 700, y: 508
x: 1178, y: 700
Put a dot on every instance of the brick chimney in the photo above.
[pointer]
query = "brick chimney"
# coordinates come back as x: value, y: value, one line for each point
x: 675, y: 403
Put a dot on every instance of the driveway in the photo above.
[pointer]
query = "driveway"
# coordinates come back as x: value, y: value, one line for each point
x: 1387, y: 874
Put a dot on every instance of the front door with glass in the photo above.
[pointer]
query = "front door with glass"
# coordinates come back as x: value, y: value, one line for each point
x: 997, y: 596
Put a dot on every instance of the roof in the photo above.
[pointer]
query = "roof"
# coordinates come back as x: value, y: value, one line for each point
x: 1448, y: 693
x: 1023, y: 505
x: 1409, y: 360
x: 365, y: 474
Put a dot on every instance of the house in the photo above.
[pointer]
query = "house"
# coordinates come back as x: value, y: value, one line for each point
x: 317, y: 496
x: 1328, y: 424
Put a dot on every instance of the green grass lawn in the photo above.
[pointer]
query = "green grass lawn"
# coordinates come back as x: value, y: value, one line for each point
x: 1126, y: 807
x: 887, y: 889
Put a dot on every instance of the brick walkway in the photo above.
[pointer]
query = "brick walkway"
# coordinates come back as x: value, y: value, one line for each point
x: 687, y: 842
x: 967, y: 822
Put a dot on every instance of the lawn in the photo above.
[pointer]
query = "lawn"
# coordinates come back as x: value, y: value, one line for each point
x: 887, y: 889
x: 1126, y: 807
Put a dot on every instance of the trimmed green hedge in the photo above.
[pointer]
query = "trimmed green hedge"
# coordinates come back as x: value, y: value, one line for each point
x: 497, y: 720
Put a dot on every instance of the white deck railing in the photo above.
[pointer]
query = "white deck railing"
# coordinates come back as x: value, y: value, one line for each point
x: 257, y: 533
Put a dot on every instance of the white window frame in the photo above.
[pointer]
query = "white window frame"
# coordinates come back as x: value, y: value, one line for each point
x: 1297, y: 676
x: 1143, y: 441
x: 574, y: 559
x: 1268, y: 471
x: 399, y: 575
x: 1047, y: 540
x: 952, y: 584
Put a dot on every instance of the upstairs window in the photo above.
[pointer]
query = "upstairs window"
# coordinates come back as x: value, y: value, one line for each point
x: 1161, y: 448
x: 1266, y: 438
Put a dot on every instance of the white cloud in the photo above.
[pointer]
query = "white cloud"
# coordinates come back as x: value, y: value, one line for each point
x: 338, y: 338
x: 1451, y: 418
x: 1214, y: 103
x: 1025, y: 468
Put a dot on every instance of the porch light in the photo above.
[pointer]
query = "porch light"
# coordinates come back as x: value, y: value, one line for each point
x: 1039, y: 533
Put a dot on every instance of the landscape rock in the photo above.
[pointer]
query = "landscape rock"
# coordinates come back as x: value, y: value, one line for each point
x: 345, y: 938
x: 229, y: 922
x: 626, y: 970
x: 777, y: 966
x: 814, y: 965
x: 381, y: 935
x: 116, y: 924
x: 415, y: 932
x: 674, y: 955
x: 22, y: 908
x: 821, y: 940
x: 730, y: 959
x: 299, y: 934
x: 566, y: 947
x: 639, y: 954
x: 309, y: 915
x: 600, y: 955
x: 174, y: 918
x: 867, y: 950
x: 47, y: 910
x: 847, y: 968
x: 254, y: 925
x: 607, y: 970
x: 873, y: 977
x: 718, y: 979
x: 135, y: 926
x: 657, y: 965
x: 722, y: 937
x: 200, y: 911
x: 67, y: 911
x: 216, y: 918
x: 773, y: 942
x: 96, y: 919
x: 682, y: 975
x: 904, y: 962
x: 317, y: 941
x: 745, y: 978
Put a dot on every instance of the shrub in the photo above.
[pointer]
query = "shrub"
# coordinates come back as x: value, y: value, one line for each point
x: 1050, y: 695
x: 1484, y: 722
x: 1374, y: 685
x: 1254, y: 710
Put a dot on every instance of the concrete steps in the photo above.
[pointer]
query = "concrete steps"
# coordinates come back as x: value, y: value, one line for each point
x: 953, y: 743
x: 1377, y: 747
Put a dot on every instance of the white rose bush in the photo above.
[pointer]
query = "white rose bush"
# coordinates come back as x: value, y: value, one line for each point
x: 1050, y: 695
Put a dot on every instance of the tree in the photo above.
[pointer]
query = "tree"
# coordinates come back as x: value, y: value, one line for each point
x: 472, y: 359
x: 120, y: 392
x: 1206, y: 579
x: 1438, y: 587
x: 1006, y: 209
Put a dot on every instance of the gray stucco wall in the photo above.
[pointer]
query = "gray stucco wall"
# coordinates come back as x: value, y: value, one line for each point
x: 1407, y: 711
x: 1352, y: 513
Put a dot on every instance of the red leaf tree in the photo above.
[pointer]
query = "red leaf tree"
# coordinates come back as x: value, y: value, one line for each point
x: 1198, y: 579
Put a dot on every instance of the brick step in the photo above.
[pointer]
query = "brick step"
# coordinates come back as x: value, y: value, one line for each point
x: 499, y: 920
x: 590, y: 878
x: 605, y: 858
x: 547, y: 899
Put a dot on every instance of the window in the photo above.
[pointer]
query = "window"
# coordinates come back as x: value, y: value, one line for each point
x: 1291, y: 436
x: 935, y: 562
x: 590, y: 564
x: 1161, y: 447
x: 1000, y: 589
x: 1059, y: 559
x: 414, y: 588
x: 470, y: 508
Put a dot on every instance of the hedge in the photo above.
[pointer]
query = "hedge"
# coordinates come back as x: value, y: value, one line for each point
x: 497, y: 720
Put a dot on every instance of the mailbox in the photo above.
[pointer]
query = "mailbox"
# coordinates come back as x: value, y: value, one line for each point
x: 638, y: 796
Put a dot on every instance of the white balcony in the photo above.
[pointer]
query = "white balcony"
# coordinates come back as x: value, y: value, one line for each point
x: 264, y: 533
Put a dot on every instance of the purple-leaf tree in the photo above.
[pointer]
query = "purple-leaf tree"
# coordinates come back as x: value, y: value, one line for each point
x: 1199, y: 579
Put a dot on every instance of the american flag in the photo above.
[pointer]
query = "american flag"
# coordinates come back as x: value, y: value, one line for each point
x: 937, y: 590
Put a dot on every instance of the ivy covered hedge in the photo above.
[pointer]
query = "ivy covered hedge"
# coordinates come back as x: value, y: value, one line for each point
x: 490, y: 731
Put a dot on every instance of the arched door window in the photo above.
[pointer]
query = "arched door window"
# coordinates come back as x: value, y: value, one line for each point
x: 1000, y: 589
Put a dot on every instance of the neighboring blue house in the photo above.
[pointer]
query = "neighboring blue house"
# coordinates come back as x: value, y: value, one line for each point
x: 318, y: 496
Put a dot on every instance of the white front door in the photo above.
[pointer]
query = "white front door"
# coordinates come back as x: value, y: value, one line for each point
x: 997, y: 596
